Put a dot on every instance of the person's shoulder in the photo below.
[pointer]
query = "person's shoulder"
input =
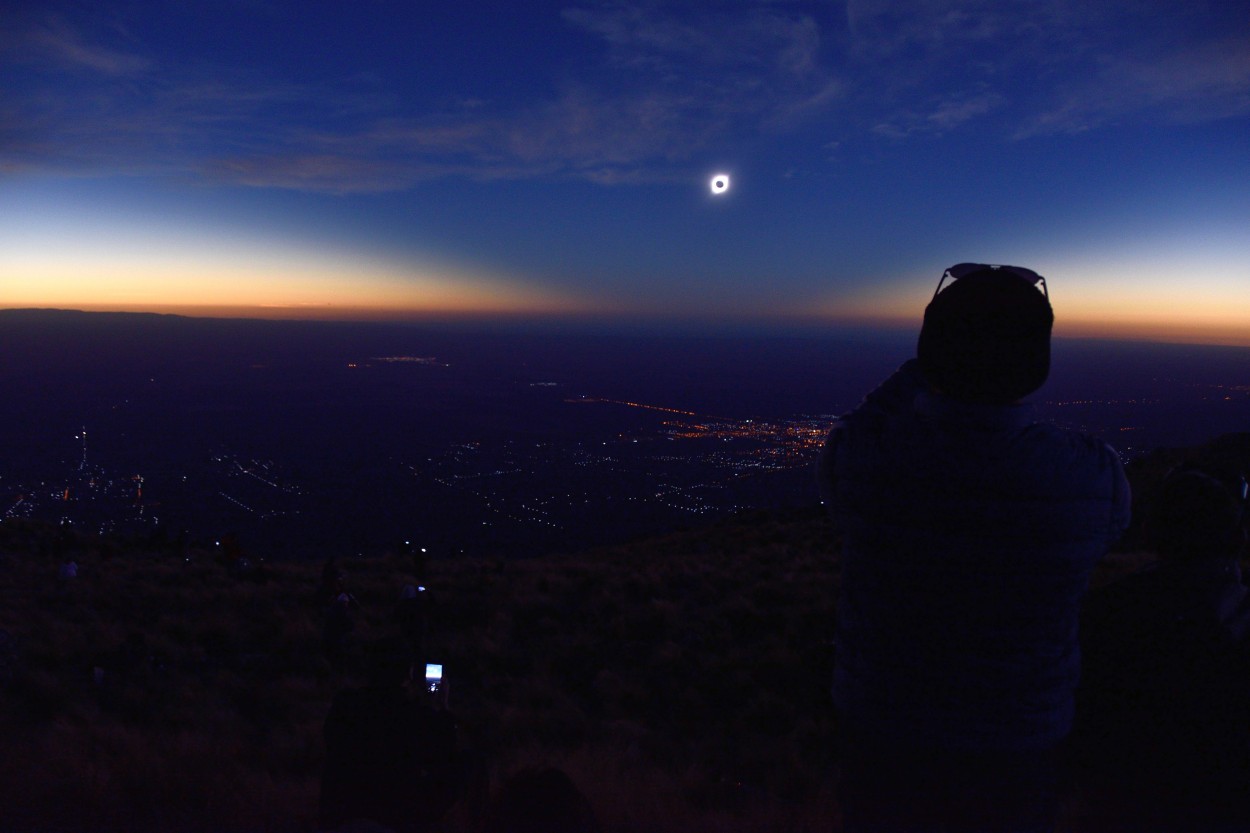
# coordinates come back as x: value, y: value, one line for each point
x: 1076, y: 452
x: 1081, y: 470
x: 1076, y: 442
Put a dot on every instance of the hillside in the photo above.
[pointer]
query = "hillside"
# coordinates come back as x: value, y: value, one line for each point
x: 672, y: 678
x: 681, y: 681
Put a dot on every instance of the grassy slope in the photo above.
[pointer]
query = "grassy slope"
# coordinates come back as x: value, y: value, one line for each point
x: 681, y: 681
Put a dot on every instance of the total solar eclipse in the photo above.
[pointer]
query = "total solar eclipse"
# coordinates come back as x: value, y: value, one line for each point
x: 720, y: 183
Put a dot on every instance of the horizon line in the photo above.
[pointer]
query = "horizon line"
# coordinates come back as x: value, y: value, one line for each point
x: 780, y: 324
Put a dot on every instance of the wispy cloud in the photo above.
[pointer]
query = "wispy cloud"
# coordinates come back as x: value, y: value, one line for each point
x: 56, y: 44
x: 955, y: 112
x: 669, y: 85
x: 330, y: 173
x: 580, y: 135
x: 656, y: 86
x: 1056, y: 66
x: 942, y: 115
x: 147, y: 124
x: 759, y: 39
x: 903, y: 27
x: 669, y: 88
x: 1192, y: 83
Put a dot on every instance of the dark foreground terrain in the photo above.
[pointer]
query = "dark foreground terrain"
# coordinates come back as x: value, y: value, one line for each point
x: 676, y: 682
x: 681, y: 681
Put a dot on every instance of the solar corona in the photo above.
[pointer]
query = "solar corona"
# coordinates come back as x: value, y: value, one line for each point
x: 720, y: 183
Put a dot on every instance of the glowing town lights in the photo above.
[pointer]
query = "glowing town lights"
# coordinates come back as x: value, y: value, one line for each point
x: 719, y: 183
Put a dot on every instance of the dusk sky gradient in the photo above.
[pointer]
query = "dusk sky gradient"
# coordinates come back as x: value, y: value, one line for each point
x: 404, y: 160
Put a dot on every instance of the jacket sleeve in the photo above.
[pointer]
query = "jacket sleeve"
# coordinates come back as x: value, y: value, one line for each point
x: 893, y: 395
x: 826, y: 464
x: 897, y: 392
x: 1121, y: 500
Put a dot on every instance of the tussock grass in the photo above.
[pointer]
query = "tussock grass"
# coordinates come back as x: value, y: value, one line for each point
x: 682, y: 682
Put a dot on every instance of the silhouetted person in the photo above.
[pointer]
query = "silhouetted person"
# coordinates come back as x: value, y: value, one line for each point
x: 231, y: 549
x: 10, y: 658
x: 340, y: 621
x: 1164, y: 718
x: 413, y: 614
x: 420, y: 560
x: 969, y: 533
x: 541, y: 801
x: 391, y: 759
x: 333, y: 582
x: 66, y: 575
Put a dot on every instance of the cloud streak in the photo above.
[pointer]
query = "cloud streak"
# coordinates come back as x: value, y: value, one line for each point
x: 654, y: 88
x: 57, y: 45
x: 666, y: 90
x: 933, y: 66
x: 1203, y: 82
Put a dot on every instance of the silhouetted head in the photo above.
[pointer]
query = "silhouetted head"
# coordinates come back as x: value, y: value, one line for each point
x: 541, y: 801
x: 387, y: 663
x: 986, y: 338
x: 1197, y: 515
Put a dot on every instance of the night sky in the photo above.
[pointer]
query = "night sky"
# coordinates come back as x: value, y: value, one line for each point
x: 402, y: 160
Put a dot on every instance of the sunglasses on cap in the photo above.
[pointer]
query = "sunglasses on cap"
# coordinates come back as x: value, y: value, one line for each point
x: 961, y: 269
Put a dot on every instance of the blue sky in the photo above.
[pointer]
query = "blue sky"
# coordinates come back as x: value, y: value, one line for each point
x: 397, y: 159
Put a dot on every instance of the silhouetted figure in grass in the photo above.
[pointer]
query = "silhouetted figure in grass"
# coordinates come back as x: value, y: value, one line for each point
x: 1164, y: 719
x: 134, y: 656
x: 339, y: 608
x: 969, y: 534
x: 231, y: 550
x: 333, y: 582
x: 340, y: 621
x: 66, y: 576
x: 541, y: 801
x: 391, y: 758
x: 10, y: 659
x: 420, y: 560
x: 413, y: 614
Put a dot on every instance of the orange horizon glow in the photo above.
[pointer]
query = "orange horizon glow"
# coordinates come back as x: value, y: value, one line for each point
x: 289, y: 282
x: 270, y: 284
x: 1161, y: 331
x: 1125, y: 301
x: 307, y: 312
x: 1081, y: 327
x: 1231, y: 335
